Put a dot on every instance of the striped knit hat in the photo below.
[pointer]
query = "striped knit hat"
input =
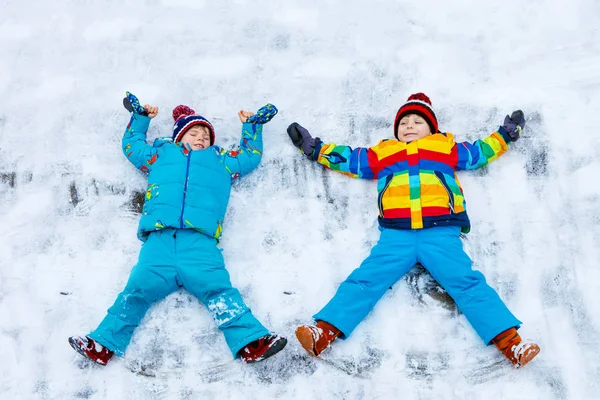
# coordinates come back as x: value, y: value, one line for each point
x: 419, y: 104
x: 185, y: 118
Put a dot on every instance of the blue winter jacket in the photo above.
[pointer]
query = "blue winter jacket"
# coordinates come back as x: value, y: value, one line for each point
x: 188, y: 189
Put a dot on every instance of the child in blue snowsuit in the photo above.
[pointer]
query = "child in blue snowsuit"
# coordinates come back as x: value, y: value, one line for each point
x: 422, y: 212
x: 189, y: 182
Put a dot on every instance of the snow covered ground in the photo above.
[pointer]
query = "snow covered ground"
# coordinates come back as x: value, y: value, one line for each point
x: 295, y: 231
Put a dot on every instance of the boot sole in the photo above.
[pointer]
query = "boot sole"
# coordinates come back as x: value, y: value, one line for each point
x: 77, y: 348
x: 307, y: 340
x: 271, y: 351
x: 528, y: 355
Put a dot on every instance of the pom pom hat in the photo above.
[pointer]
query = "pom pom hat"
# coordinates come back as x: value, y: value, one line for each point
x: 419, y: 104
x: 185, y: 118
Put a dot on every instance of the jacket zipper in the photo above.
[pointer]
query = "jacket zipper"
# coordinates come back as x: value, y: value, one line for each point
x: 442, y: 180
x: 185, y: 187
x: 380, y: 200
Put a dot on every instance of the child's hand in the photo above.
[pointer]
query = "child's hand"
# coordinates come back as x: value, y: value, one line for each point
x: 264, y: 114
x: 151, y: 110
x: 514, y: 125
x: 244, y: 115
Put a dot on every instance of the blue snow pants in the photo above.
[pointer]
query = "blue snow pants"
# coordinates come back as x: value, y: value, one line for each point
x: 440, y: 251
x: 171, y: 259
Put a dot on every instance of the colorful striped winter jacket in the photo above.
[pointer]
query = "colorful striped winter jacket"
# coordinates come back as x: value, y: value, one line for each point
x: 417, y: 183
x: 188, y: 189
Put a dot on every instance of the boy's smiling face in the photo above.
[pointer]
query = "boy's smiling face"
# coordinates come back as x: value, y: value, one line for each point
x: 412, y: 127
x: 197, y: 137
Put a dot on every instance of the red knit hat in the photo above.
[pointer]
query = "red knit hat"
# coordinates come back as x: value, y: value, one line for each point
x: 185, y: 118
x: 419, y: 104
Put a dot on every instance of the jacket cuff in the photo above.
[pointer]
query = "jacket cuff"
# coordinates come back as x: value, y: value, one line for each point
x: 249, y: 130
x: 314, y: 156
x: 139, y: 122
x: 504, y: 134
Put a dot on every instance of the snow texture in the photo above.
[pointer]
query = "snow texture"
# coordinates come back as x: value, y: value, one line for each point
x: 70, y: 201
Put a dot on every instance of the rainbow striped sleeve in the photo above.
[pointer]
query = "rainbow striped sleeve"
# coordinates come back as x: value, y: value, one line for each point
x: 360, y: 162
x: 481, y: 152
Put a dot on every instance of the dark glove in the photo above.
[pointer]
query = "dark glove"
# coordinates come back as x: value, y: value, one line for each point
x: 263, y: 115
x: 304, y: 141
x: 132, y: 104
x: 514, y: 125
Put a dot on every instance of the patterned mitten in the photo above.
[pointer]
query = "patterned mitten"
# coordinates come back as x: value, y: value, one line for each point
x: 132, y: 104
x: 263, y: 115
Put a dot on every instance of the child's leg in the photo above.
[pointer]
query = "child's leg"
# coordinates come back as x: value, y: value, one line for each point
x: 392, y: 257
x: 152, y: 279
x: 441, y: 253
x: 202, y: 271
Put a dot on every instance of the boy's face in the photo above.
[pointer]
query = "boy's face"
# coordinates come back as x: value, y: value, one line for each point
x: 412, y: 127
x: 198, y: 137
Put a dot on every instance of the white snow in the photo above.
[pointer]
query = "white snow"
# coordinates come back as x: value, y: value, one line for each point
x: 342, y: 69
x: 224, y: 310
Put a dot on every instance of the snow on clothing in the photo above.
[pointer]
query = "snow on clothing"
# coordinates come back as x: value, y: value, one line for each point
x: 417, y: 182
x: 422, y: 211
x: 169, y: 260
x: 188, y: 189
x: 182, y: 219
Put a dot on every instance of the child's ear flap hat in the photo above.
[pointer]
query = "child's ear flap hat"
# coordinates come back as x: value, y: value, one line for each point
x: 185, y: 118
x: 419, y: 104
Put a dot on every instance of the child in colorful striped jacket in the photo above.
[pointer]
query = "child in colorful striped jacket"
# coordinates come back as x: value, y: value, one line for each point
x: 421, y: 215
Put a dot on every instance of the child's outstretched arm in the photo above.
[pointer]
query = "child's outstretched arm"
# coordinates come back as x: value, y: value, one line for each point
x: 249, y: 154
x: 134, y: 144
x: 361, y: 162
x: 482, y: 152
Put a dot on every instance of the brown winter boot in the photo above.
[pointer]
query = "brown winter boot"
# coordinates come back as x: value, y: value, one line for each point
x: 517, y: 351
x: 317, y: 338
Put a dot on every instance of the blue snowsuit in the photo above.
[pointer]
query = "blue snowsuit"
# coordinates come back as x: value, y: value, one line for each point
x: 182, y: 221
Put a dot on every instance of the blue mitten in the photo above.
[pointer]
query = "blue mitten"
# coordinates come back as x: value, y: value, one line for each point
x: 514, y: 125
x: 263, y: 115
x: 132, y: 104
